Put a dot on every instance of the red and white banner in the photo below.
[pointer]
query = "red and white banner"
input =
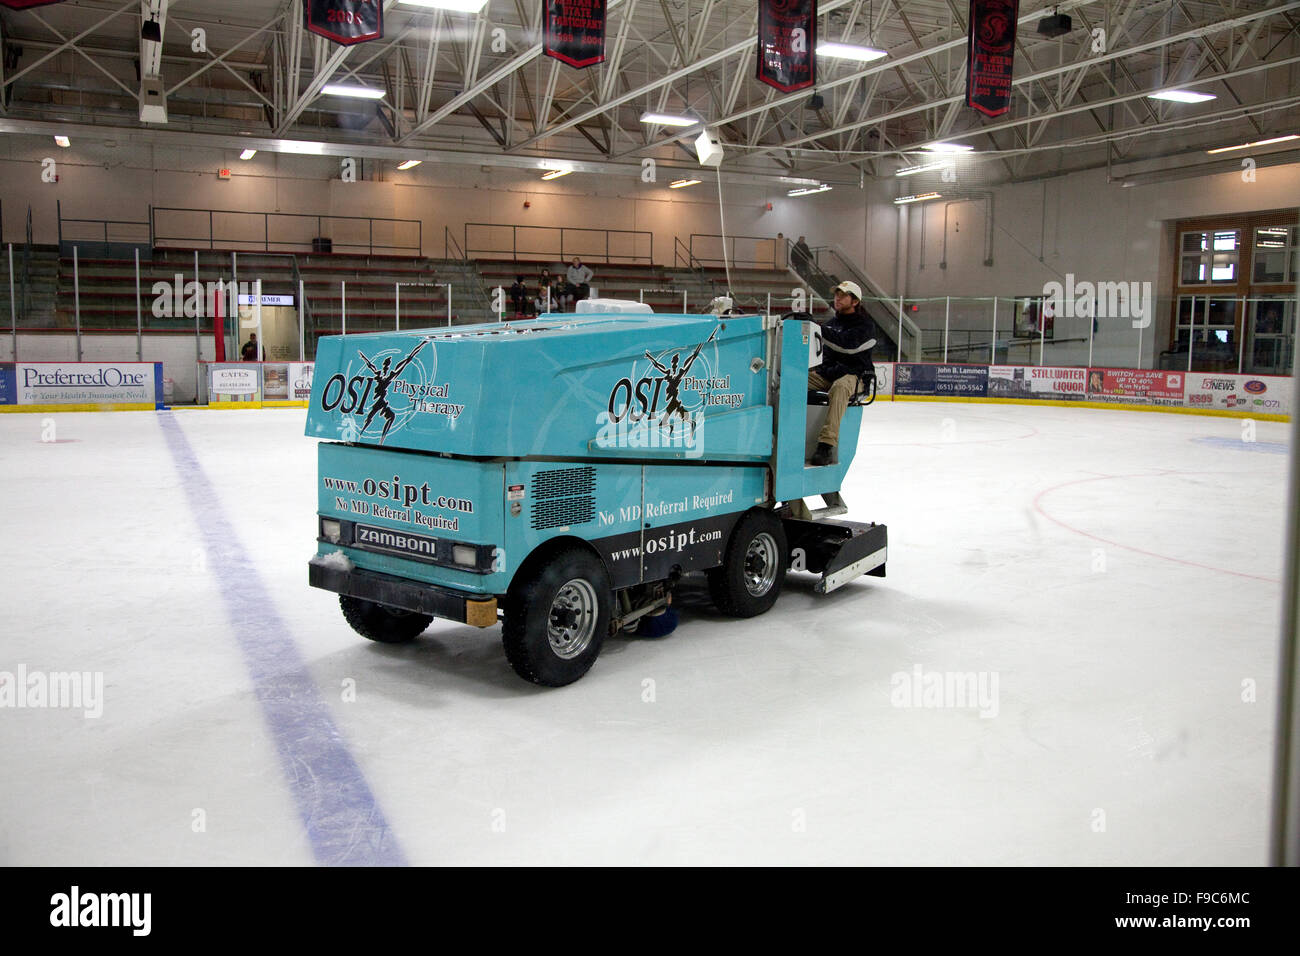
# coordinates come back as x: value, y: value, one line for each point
x: 24, y: 4
x: 344, y: 21
x: 1125, y: 384
x: 787, y: 38
x: 1043, y: 383
x: 573, y: 31
x: 990, y: 52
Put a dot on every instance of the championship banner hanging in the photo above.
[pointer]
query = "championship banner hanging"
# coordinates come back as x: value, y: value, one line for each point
x: 989, y: 55
x: 24, y: 4
x: 787, y: 36
x: 345, y: 21
x: 574, y: 31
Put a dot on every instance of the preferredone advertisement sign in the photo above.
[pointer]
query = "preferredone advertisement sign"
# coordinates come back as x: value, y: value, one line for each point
x: 88, y: 383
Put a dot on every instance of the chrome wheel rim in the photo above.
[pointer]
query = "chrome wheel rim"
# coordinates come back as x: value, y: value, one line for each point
x: 761, y: 560
x: 571, y: 623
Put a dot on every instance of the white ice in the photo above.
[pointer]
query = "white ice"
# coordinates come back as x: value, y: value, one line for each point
x: 1116, y: 572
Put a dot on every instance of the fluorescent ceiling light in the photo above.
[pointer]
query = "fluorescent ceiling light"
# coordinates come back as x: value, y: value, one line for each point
x: 248, y: 154
x: 1181, y: 96
x: 410, y: 164
x: 62, y: 141
x: 849, y: 51
x: 460, y: 6
x: 299, y: 147
x: 924, y: 167
x: 948, y: 148
x: 356, y: 92
x: 796, y: 181
x: 682, y: 183
x: 808, y: 190
x: 557, y: 173
x: 1262, y: 142
x: 902, y: 200
x: 668, y: 119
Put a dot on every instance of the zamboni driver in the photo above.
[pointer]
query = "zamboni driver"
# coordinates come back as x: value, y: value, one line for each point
x: 846, y: 342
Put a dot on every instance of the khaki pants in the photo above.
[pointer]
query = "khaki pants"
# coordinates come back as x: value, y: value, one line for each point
x: 839, y: 391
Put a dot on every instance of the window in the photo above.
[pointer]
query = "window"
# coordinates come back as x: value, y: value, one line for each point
x: 1210, y: 257
x: 1277, y: 249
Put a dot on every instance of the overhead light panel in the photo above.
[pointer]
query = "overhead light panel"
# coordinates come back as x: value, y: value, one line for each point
x: 923, y: 197
x: 948, y: 147
x: 410, y: 164
x: 1262, y: 142
x: 809, y: 190
x: 849, y: 51
x: 924, y: 168
x: 1181, y: 96
x: 683, y: 183
x: 299, y: 147
x: 356, y: 92
x: 557, y: 173
x: 797, y: 181
x: 62, y: 141
x: 668, y: 119
x: 459, y: 6
x: 248, y: 154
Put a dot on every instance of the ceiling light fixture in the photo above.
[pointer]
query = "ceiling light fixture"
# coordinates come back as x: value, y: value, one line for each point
x: 1181, y: 96
x: 458, y: 6
x: 410, y: 164
x: 356, y: 92
x: 924, y: 168
x: 668, y: 119
x: 299, y: 147
x: 683, y: 183
x: 557, y: 173
x: 248, y: 154
x: 948, y: 147
x: 809, y: 190
x: 849, y: 51
x: 797, y: 181
x: 1262, y: 142
x: 923, y: 197
x: 62, y: 141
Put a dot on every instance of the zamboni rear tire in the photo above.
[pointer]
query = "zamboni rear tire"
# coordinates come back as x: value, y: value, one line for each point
x: 388, y: 625
x: 753, y: 566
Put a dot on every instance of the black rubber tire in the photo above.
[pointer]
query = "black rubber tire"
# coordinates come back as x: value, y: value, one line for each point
x: 388, y: 625
x: 727, y: 584
x: 528, y: 606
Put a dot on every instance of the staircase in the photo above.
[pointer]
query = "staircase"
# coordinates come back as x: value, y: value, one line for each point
x: 829, y: 267
x: 35, y: 297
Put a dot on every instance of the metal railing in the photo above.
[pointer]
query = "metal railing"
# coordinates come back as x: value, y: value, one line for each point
x: 236, y: 229
x: 743, y: 252
x: 491, y: 241
x: 449, y: 243
x: 121, y: 238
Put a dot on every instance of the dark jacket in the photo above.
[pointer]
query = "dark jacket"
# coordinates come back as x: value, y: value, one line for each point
x: 846, y: 331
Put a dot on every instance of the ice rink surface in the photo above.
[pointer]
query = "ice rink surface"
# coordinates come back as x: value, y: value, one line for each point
x: 1110, y: 578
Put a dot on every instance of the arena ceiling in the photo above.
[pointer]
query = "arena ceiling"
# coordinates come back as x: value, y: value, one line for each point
x: 477, y: 88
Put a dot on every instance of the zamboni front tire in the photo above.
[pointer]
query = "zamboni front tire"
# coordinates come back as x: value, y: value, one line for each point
x: 753, y: 567
x: 557, y: 614
x: 388, y: 625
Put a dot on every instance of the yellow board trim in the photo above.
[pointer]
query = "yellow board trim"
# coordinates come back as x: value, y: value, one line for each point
x: 227, y: 406
x: 1175, y: 409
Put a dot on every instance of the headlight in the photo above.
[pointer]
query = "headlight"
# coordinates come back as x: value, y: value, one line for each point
x: 331, y: 530
x: 464, y: 554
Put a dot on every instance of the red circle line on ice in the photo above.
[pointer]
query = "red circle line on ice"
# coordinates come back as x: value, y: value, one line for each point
x: 1038, y: 506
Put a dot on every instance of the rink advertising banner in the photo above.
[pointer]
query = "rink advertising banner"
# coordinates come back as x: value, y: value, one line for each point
x: 345, y: 21
x: 787, y: 36
x: 1125, y: 384
x: 1039, y: 383
x: 88, y: 383
x: 967, y: 381
x: 234, y: 383
x: 300, y: 380
x: 574, y: 31
x: 884, y: 378
x: 1269, y: 395
x: 8, y: 392
x: 990, y: 52
x: 275, y: 382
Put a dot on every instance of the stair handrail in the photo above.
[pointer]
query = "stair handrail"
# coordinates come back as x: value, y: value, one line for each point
x: 872, y: 290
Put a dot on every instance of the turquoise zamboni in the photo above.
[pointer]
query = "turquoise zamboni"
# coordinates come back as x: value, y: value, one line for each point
x: 563, y: 474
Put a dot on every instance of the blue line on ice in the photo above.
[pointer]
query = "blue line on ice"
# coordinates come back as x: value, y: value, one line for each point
x: 341, y: 814
x: 1259, y: 447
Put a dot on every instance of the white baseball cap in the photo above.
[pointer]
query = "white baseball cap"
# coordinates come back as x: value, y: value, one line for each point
x: 851, y: 288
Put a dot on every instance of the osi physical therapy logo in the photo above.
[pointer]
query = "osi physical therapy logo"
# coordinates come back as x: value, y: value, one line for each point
x: 383, y: 392
x: 669, y: 392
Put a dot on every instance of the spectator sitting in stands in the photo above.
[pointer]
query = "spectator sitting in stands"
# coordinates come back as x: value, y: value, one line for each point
x: 519, y: 297
x: 545, y: 292
x: 579, y: 277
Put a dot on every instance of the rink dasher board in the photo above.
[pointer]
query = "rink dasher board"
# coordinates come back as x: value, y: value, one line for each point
x: 1113, y: 406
